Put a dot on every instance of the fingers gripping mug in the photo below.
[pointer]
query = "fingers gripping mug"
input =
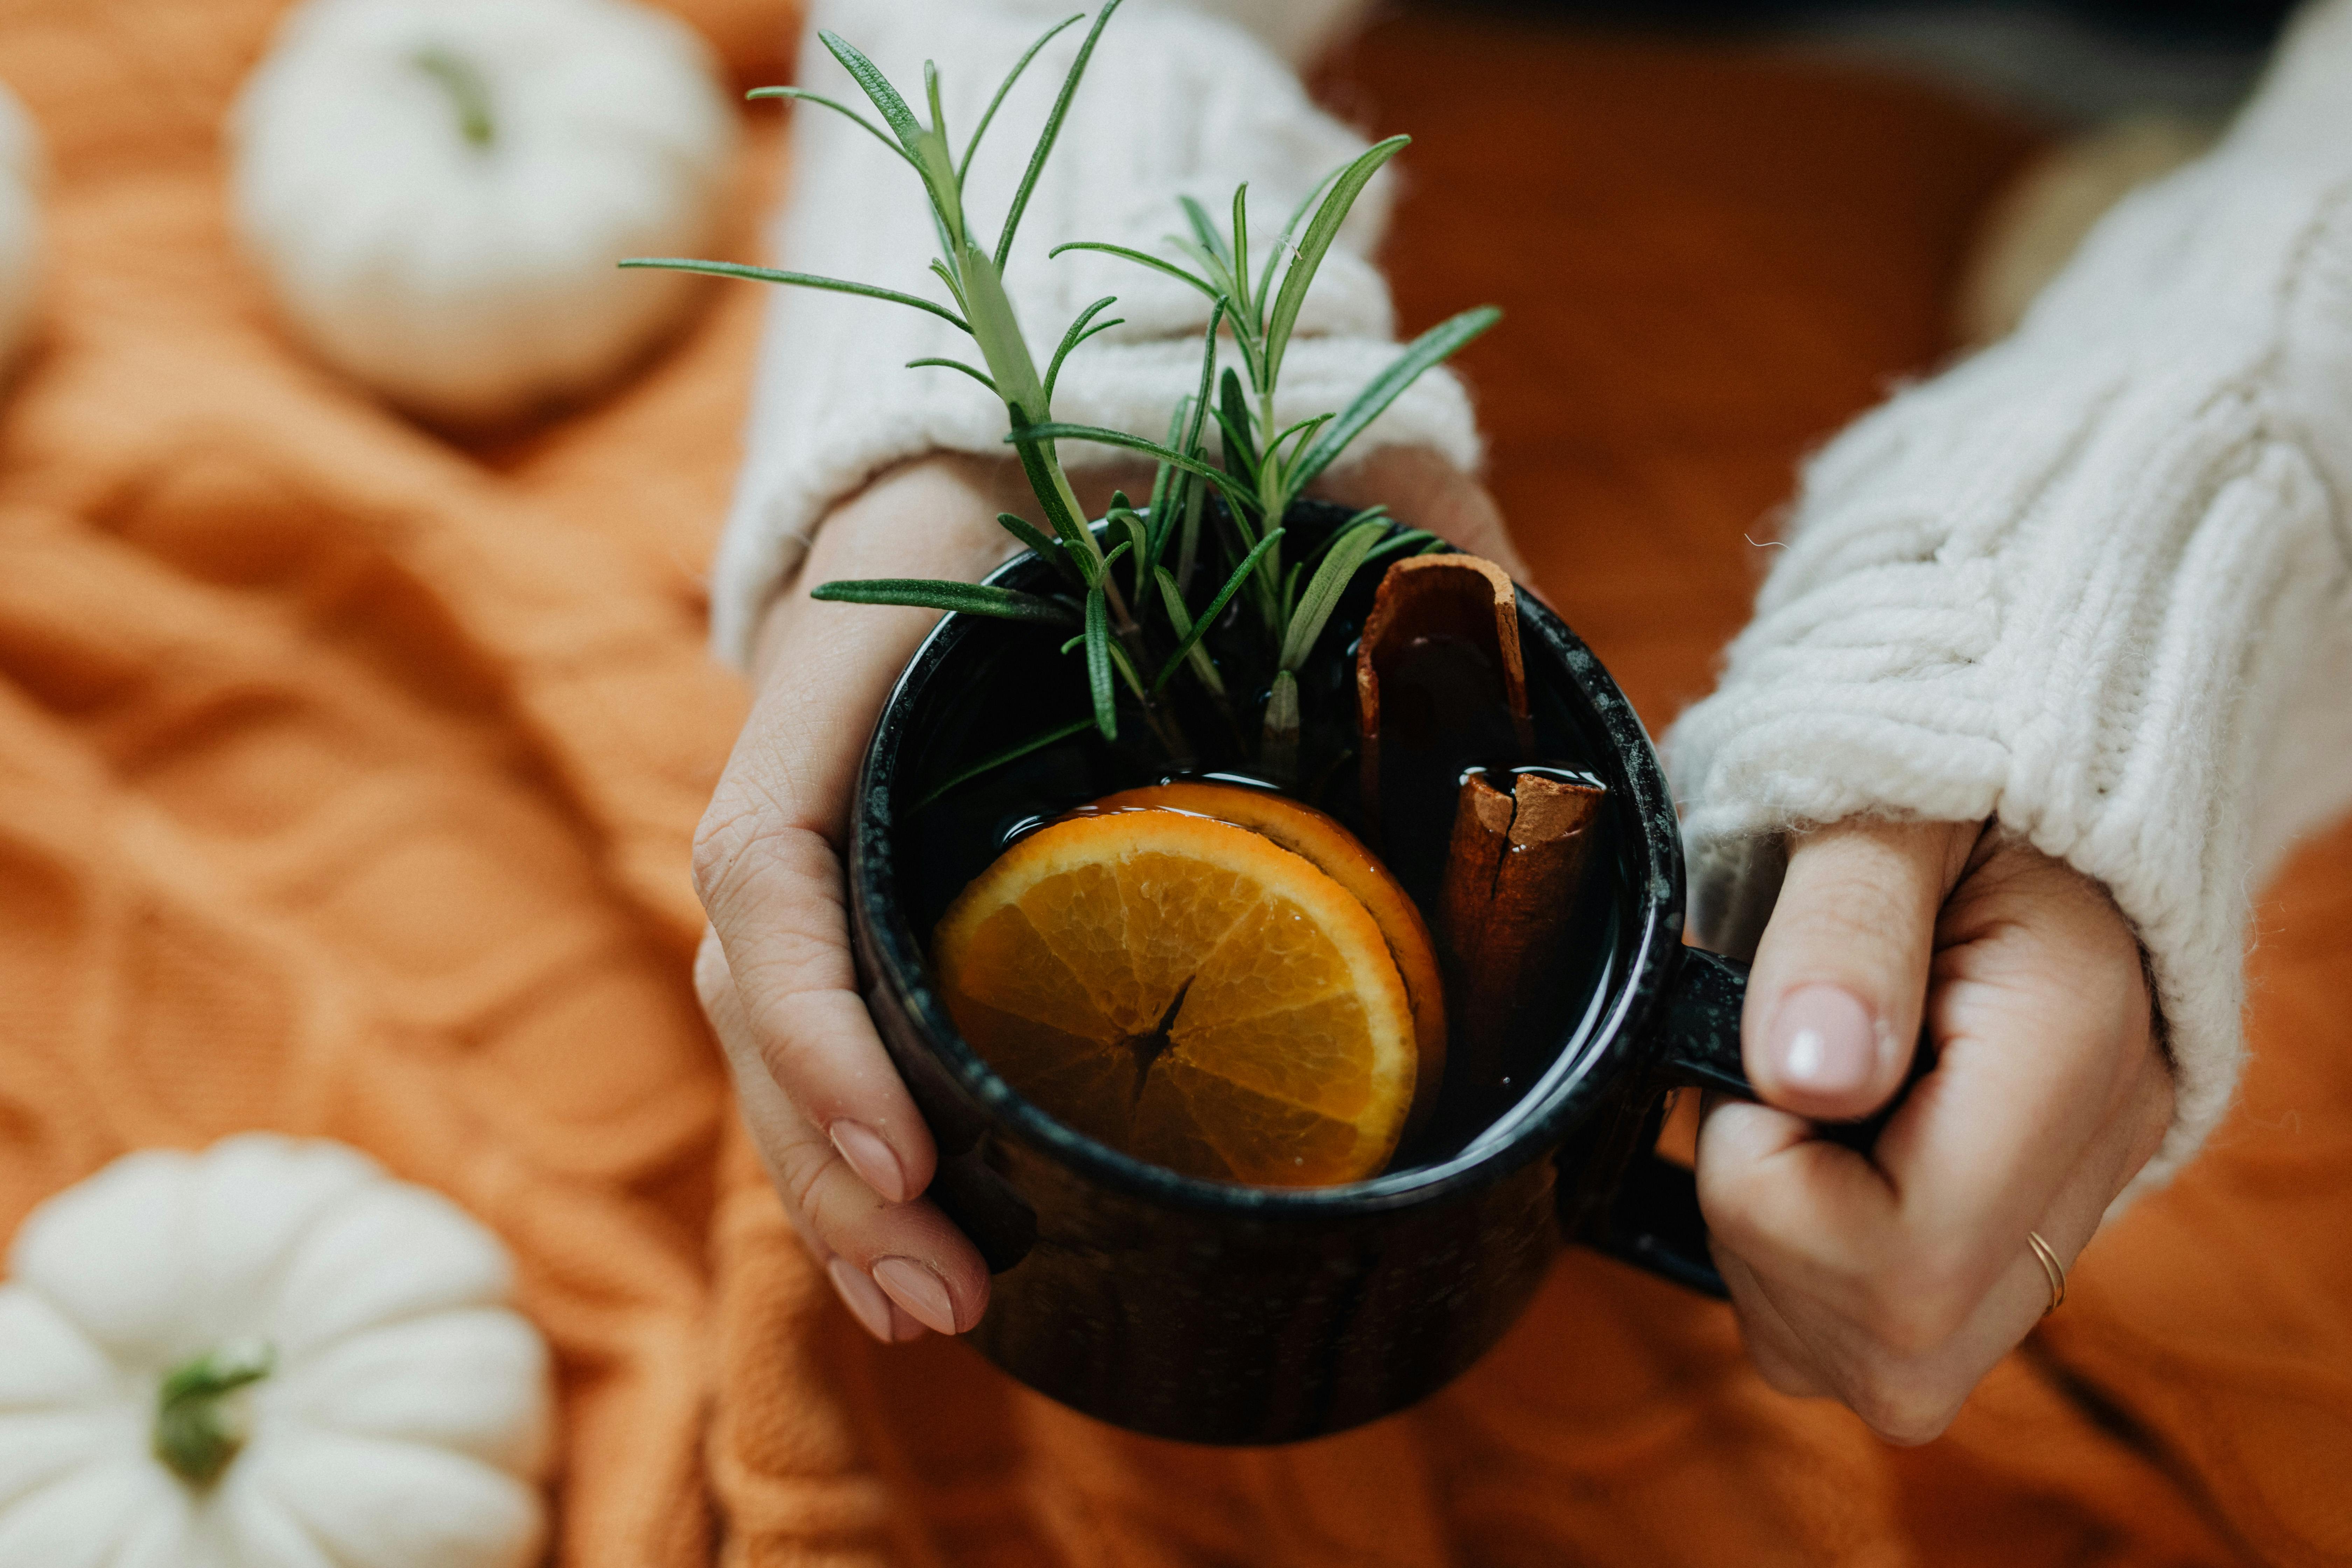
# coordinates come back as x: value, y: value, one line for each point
x: 1220, y: 1314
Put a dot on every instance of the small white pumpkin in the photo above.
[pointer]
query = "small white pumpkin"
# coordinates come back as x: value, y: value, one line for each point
x: 437, y: 189
x: 22, y: 168
x: 268, y: 1355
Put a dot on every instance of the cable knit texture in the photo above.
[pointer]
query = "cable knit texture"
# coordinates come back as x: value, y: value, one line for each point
x: 1177, y: 101
x: 2092, y: 581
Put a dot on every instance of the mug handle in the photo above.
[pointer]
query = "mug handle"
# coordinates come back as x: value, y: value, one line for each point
x: 1654, y: 1221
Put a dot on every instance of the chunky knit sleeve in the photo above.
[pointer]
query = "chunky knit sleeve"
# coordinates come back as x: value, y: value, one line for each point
x: 2095, y: 582
x: 1179, y: 99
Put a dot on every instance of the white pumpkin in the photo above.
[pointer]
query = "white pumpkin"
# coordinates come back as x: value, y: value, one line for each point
x: 437, y: 189
x: 21, y: 176
x: 268, y: 1355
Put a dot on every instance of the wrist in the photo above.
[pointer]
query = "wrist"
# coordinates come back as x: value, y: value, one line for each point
x: 932, y: 517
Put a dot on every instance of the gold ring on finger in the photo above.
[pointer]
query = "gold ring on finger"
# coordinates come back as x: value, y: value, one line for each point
x: 2051, y: 1270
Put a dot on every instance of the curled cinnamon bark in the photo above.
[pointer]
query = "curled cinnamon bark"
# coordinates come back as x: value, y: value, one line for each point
x: 1442, y: 688
x: 1429, y: 611
x: 1512, y: 871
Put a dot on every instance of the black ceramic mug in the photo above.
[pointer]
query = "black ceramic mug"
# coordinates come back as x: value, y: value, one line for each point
x: 1218, y: 1313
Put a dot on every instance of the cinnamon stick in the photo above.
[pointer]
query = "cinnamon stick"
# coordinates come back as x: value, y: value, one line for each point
x: 1424, y: 602
x: 1441, y: 685
x: 1512, y: 871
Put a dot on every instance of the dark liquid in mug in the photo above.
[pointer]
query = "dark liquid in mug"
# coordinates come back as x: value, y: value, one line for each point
x: 1440, y: 721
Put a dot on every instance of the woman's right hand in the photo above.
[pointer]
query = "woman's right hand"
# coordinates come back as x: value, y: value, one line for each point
x: 835, y: 1128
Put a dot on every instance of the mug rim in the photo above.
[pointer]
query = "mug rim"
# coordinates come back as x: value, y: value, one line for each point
x: 1528, y: 1131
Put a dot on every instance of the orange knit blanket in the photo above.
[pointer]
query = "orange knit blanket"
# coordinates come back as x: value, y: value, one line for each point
x: 347, y: 772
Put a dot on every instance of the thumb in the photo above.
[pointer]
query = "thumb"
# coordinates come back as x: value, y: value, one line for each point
x: 1840, y: 981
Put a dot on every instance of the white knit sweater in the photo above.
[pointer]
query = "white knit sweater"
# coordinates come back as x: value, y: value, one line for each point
x: 2095, y: 582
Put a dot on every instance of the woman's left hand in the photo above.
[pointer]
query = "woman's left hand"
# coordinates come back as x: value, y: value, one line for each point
x: 1894, y: 1282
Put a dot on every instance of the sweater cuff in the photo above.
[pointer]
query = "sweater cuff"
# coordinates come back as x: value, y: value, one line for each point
x: 1175, y: 103
x: 2075, y: 584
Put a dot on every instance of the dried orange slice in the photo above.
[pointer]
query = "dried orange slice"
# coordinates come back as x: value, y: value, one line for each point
x: 1188, y: 992
x: 1341, y: 856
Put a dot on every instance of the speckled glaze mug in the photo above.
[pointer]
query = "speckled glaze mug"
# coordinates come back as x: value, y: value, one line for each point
x: 1217, y: 1313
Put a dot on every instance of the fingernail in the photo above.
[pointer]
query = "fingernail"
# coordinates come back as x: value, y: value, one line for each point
x: 871, y: 1158
x: 862, y: 1296
x: 1822, y: 1040
x: 923, y: 1293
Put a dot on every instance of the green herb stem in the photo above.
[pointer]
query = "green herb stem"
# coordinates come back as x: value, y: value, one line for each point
x: 1277, y: 754
x: 1011, y: 753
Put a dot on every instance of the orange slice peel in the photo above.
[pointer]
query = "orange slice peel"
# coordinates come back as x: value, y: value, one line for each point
x: 1189, y: 992
x: 1341, y: 856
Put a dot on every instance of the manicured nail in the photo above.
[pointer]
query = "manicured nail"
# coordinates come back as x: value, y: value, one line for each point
x: 862, y: 1296
x: 1822, y: 1040
x: 923, y: 1293
x: 871, y: 1158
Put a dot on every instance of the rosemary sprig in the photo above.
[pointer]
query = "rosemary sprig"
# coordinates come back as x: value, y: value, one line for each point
x: 1250, y: 482
x: 1264, y: 467
x: 932, y: 594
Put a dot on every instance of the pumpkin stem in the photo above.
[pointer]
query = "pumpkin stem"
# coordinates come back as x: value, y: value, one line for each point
x: 197, y: 1430
x: 468, y: 93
